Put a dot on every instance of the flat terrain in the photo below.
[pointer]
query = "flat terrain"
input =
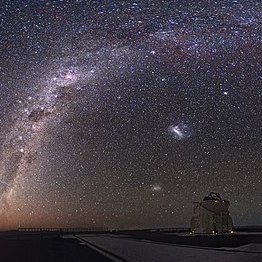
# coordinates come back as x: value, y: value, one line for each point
x: 130, y: 246
x: 213, y: 240
x: 46, y: 249
x: 135, y: 249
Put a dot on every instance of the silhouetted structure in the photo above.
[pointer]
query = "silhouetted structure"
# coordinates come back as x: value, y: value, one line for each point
x: 211, y: 215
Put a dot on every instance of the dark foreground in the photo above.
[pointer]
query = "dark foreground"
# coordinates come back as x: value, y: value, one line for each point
x: 44, y: 246
x: 47, y: 249
x: 216, y: 240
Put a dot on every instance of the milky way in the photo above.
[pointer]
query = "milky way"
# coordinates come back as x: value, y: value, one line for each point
x: 121, y: 113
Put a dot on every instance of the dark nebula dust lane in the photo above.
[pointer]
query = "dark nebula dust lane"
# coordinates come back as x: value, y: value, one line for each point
x: 121, y: 113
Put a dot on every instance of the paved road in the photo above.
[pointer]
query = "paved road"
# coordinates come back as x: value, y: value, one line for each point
x: 121, y: 248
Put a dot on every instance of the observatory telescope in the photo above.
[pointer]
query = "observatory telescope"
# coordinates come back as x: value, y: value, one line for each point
x: 211, y: 216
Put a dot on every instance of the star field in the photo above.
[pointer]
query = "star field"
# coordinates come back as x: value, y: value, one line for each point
x: 122, y: 113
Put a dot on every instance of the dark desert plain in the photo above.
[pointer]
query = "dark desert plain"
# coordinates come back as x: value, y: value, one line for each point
x: 131, y: 245
x: 115, y: 116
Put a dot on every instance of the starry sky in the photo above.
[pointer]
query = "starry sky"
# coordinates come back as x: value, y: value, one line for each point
x: 120, y: 114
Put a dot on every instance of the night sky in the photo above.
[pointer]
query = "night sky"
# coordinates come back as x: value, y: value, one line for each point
x: 120, y: 114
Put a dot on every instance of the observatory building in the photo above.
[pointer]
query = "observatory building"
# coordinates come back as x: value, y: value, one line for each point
x: 211, y: 216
